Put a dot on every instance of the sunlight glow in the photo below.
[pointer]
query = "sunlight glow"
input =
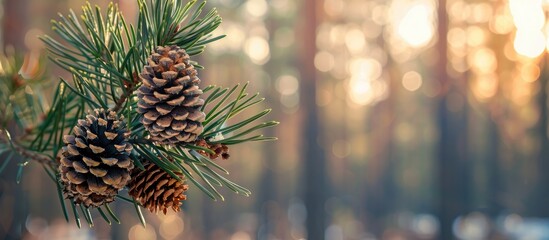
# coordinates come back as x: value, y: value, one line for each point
x: 485, y: 87
x: 364, y: 85
x: 483, y: 61
x: 529, y: 19
x: 257, y: 48
x: 457, y: 37
x: 257, y: 8
x: 355, y: 40
x: 138, y: 232
x: 501, y: 24
x: 171, y: 226
x: 412, y: 81
x: 476, y: 36
x: 362, y: 92
x: 527, y: 14
x: 287, y: 85
x: 530, y: 72
x: 324, y: 61
x: 232, y: 44
x: 237, y: 33
x: 416, y: 27
x: 334, y: 7
x: 529, y: 43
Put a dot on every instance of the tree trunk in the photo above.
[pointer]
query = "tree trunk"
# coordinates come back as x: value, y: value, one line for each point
x: 267, y: 190
x: 539, y: 206
x: 14, y: 23
x: 314, y: 168
x: 451, y: 149
x: 493, y: 171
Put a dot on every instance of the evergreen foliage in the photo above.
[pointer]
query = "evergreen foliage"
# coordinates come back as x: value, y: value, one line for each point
x: 105, y: 55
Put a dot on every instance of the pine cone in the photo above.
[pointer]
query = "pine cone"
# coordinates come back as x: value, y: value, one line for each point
x: 169, y: 99
x: 218, y: 149
x: 157, y: 190
x: 95, y: 161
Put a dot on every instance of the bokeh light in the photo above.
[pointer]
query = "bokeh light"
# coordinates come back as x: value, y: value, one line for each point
x: 416, y: 26
x: 287, y: 85
x: 412, y: 81
x: 365, y: 86
x: 324, y: 61
x: 380, y: 98
x: 529, y: 43
x: 138, y: 232
x: 530, y: 72
x: 483, y: 60
x: 257, y: 48
x: 256, y: 8
x: 527, y: 14
x: 355, y: 40
x: 171, y: 226
x: 529, y: 19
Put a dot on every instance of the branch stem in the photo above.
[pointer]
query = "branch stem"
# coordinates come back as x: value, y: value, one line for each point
x: 42, y: 159
x: 122, y: 99
x: 128, y: 90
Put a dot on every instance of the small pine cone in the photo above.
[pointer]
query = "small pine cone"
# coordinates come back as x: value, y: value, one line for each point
x: 218, y: 149
x: 95, y: 162
x: 157, y: 190
x: 169, y: 99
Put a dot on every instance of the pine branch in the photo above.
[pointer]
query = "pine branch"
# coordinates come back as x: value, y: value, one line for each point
x: 105, y: 54
x: 129, y: 89
x: 120, y: 102
x: 44, y: 160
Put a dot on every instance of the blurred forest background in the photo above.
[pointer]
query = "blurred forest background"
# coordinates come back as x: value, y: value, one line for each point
x: 401, y: 119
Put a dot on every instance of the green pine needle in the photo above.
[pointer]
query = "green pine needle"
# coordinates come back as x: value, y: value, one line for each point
x: 104, y: 216
x: 111, y: 213
x: 105, y: 54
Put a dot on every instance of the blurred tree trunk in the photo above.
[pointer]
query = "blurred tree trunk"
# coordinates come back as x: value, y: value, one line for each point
x: 380, y: 192
x: 539, y: 206
x: 314, y: 168
x: 12, y: 196
x: 495, y: 187
x: 451, y: 148
x: 381, y: 188
x: 267, y: 189
x: 14, y: 23
x: 493, y: 171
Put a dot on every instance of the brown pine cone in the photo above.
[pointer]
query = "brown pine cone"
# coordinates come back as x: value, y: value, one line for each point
x: 95, y: 162
x: 218, y: 149
x: 157, y: 190
x: 169, y: 99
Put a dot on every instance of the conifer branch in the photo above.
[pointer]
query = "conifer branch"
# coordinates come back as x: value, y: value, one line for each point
x: 42, y: 159
x: 105, y: 56
x: 129, y: 88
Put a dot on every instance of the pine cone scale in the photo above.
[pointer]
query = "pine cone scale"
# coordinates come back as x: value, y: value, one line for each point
x: 170, y: 92
x: 157, y: 190
x: 95, y: 162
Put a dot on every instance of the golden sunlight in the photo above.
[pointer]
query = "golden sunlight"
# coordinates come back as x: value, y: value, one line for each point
x: 416, y: 27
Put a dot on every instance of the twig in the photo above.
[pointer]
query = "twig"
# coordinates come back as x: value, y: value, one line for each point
x: 121, y: 101
x: 44, y: 160
x: 129, y: 89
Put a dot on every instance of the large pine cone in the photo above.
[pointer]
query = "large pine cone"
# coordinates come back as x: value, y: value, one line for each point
x: 95, y: 162
x: 157, y: 190
x: 169, y: 99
